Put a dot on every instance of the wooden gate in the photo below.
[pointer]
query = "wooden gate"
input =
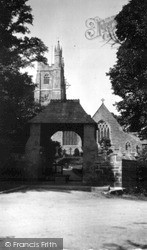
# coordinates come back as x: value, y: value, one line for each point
x: 134, y: 174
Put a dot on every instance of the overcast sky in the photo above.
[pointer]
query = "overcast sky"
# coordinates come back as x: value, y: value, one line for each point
x: 86, y: 61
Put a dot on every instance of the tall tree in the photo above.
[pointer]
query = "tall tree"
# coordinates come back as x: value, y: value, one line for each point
x: 17, y: 50
x: 129, y: 75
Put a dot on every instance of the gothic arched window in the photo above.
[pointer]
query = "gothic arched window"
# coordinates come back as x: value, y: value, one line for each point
x: 128, y: 146
x: 46, y: 79
x: 137, y: 149
x: 103, y: 131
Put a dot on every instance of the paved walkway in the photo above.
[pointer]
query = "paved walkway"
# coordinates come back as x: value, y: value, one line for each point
x: 83, y: 219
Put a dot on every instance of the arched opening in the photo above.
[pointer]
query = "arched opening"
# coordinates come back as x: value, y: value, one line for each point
x: 60, y: 115
x: 62, y: 154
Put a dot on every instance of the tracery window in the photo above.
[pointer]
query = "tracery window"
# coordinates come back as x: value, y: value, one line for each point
x: 103, y: 131
x: 46, y: 79
x: 69, y: 138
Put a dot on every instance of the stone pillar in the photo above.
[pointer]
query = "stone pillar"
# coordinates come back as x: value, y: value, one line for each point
x: 116, y: 163
x: 90, y: 152
x: 32, y: 153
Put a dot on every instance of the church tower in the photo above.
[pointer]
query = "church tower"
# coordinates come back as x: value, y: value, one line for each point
x: 50, y: 79
x: 50, y: 85
x: 58, y: 55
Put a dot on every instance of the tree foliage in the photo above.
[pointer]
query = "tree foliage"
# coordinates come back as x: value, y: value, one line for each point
x: 17, y: 50
x: 105, y: 145
x: 129, y: 75
x: 52, y: 151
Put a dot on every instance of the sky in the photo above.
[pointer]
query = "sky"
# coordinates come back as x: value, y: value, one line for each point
x: 86, y: 61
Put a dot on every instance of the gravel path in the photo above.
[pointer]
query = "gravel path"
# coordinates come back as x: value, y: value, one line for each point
x: 84, y: 220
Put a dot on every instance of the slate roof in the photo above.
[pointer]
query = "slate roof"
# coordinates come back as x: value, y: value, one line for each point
x: 104, y: 114
x: 118, y: 137
x: 59, y: 111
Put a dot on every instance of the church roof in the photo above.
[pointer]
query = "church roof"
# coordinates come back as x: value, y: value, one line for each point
x: 59, y: 111
x: 104, y: 114
x: 119, y: 138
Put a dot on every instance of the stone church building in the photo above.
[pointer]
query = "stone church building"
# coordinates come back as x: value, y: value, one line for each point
x: 51, y: 85
x: 50, y: 80
x: 125, y: 144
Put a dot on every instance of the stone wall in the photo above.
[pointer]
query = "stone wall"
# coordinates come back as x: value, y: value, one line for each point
x: 90, y: 151
x: 32, y: 153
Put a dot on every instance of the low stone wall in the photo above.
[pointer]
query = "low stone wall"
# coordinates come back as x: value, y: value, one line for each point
x: 104, y: 172
x: 107, y: 170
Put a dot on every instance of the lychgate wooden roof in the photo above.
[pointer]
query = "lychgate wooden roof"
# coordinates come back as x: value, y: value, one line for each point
x: 63, y: 111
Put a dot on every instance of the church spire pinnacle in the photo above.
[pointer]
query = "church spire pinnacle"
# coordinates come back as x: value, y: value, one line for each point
x: 58, y: 54
x: 58, y: 48
x: 58, y: 45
